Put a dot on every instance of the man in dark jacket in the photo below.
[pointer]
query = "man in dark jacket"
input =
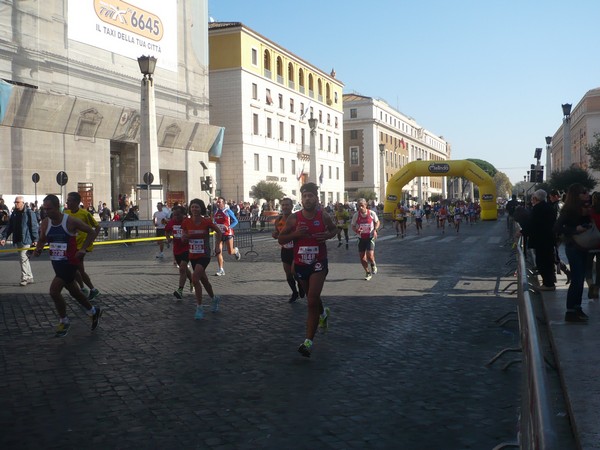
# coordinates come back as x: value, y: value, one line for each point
x: 539, y: 230
x: 23, y: 226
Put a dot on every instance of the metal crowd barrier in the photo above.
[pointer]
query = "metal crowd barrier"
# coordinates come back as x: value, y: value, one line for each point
x: 537, y: 430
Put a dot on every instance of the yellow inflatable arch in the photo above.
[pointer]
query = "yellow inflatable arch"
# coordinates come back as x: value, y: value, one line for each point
x: 458, y: 168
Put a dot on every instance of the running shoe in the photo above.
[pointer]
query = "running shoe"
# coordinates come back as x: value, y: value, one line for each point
x: 293, y: 298
x: 368, y: 276
x: 305, y: 348
x: 373, y: 269
x: 346, y: 246
x: 220, y: 272
x: 160, y: 255
x: 324, y: 321
x: 96, y: 318
x: 178, y: 294
x: 62, y: 329
x: 238, y: 255
x: 93, y: 294
x: 215, y: 303
x: 86, y: 292
x: 199, y: 313
x: 339, y: 244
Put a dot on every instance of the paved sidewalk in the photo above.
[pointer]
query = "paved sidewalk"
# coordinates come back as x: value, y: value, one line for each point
x: 577, y: 352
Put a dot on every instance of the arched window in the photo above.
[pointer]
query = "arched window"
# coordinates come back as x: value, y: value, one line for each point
x: 291, y: 76
x: 320, y: 89
x: 311, y: 86
x: 267, y: 64
x: 301, y: 80
x: 279, y: 70
x: 328, y: 93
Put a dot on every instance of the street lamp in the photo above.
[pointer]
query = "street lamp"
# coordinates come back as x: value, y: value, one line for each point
x: 312, y: 123
x: 566, y: 108
x: 148, y: 148
x: 548, y: 156
x: 382, y: 173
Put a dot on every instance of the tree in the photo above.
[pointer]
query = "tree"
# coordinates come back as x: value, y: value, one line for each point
x: 593, y: 151
x: 485, y: 166
x: 503, y: 185
x: 267, y: 190
x: 366, y: 194
x: 563, y: 179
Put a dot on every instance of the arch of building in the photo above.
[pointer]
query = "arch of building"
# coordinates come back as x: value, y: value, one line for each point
x: 457, y: 168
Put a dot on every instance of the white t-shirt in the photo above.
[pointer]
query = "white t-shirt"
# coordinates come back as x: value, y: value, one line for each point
x: 160, y: 218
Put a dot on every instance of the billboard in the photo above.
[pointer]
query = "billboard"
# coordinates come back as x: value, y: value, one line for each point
x: 132, y: 29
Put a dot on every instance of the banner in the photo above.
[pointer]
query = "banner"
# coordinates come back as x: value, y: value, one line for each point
x: 131, y: 29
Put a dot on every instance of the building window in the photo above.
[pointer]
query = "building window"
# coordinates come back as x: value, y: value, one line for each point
x: 293, y: 171
x: 280, y: 101
x: 256, y: 162
x: 336, y: 122
x: 320, y: 116
x: 291, y: 76
x: 320, y: 141
x: 337, y: 146
x: 292, y: 134
x: 302, y: 137
x: 328, y: 143
x: 279, y: 70
x: 254, y: 91
x: 255, y: 123
x: 269, y: 128
x: 354, y: 156
x: 291, y: 105
x: 268, y: 97
x: 270, y: 164
x: 353, y: 134
x: 353, y: 113
x: 267, y: 64
x: 337, y: 173
x: 335, y: 96
x: 329, y: 170
x: 254, y: 57
x: 301, y: 80
x: 281, y: 133
x: 354, y: 176
x: 329, y: 119
x: 281, y: 165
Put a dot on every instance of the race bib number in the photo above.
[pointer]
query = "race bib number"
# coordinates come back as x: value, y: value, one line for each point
x: 364, y: 228
x: 341, y: 222
x: 177, y: 231
x: 222, y: 227
x: 58, y: 251
x: 308, y: 254
x: 197, y: 246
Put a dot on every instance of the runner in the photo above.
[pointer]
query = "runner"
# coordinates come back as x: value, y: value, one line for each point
x: 226, y: 221
x: 365, y: 223
x: 73, y: 202
x: 195, y: 231
x: 287, y: 250
x: 60, y: 230
x: 459, y: 211
x: 400, y: 219
x: 442, y: 214
x: 310, y: 228
x: 418, y: 213
x: 160, y: 219
x: 342, y: 217
x: 173, y: 233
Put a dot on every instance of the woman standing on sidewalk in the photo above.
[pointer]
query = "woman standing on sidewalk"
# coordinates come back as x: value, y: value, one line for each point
x: 574, y: 219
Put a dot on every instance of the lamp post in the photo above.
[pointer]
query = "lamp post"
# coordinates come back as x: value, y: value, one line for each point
x: 566, y: 136
x: 381, y: 173
x: 148, y: 148
x: 313, y: 176
x: 548, y: 156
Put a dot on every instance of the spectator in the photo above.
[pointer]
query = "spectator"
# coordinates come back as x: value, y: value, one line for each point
x: 23, y: 226
x: 105, y: 216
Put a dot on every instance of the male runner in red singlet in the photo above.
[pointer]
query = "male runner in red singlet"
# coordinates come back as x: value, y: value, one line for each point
x: 310, y: 228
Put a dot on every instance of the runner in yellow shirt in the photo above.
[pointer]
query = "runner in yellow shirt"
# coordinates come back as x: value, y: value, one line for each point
x: 73, y: 202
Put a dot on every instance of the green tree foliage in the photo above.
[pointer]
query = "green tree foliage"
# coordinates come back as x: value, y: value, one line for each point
x: 267, y: 190
x: 366, y: 194
x: 485, y: 166
x: 563, y: 179
x: 593, y: 151
x: 503, y: 185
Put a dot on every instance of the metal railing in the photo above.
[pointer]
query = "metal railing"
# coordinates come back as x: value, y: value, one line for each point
x: 537, y: 429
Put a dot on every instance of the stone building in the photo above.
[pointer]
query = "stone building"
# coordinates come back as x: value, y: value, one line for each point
x: 70, y: 97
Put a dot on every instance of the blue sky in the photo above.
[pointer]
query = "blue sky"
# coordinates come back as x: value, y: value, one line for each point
x: 488, y: 75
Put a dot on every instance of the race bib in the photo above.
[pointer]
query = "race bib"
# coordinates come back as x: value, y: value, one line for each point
x: 308, y: 254
x: 364, y: 228
x: 177, y: 231
x: 197, y: 246
x: 58, y: 251
x: 222, y: 227
x: 341, y: 222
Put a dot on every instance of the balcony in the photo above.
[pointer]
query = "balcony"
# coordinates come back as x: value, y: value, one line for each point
x: 303, y: 152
